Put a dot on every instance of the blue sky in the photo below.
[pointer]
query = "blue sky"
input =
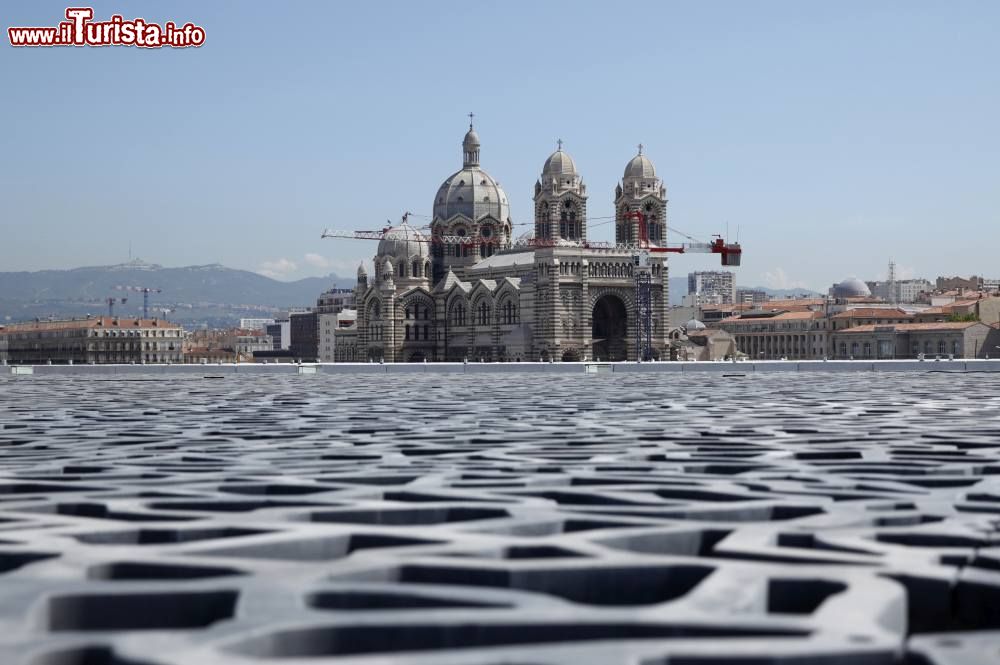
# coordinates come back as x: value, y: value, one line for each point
x: 833, y: 135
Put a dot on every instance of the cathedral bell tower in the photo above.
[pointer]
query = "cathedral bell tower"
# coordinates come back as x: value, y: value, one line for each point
x: 560, y: 200
x: 640, y: 190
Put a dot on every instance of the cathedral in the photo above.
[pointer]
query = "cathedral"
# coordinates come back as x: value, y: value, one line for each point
x: 469, y: 290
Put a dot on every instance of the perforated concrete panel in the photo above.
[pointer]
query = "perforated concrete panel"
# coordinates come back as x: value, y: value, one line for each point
x: 519, y: 519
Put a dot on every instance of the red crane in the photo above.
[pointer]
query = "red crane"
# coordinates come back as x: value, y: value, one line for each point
x: 731, y: 252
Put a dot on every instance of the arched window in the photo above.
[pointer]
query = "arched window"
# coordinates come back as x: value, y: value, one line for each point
x: 457, y: 317
x: 415, y: 269
x: 941, y: 347
x: 401, y: 269
x: 406, y: 332
x: 484, y: 313
x: 508, y: 312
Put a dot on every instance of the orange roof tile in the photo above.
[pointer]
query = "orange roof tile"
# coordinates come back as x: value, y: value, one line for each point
x: 95, y: 322
x: 911, y: 327
x: 783, y: 316
x: 871, y: 313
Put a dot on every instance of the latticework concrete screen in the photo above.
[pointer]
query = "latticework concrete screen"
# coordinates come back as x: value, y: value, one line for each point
x: 521, y: 519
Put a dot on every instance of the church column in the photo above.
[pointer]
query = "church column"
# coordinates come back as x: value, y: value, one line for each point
x: 495, y: 333
x: 390, y: 351
x: 556, y: 232
x: 441, y: 327
x: 587, y: 315
x: 555, y: 310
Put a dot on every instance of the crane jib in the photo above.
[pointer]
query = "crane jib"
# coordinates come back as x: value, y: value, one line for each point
x: 730, y: 253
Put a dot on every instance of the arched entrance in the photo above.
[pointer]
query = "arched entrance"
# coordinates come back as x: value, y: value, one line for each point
x: 610, y: 328
x: 571, y: 356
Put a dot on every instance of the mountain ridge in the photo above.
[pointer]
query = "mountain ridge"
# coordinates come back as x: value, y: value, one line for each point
x: 210, y: 293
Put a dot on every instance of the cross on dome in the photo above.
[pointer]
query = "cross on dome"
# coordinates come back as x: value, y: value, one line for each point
x: 559, y: 143
x: 471, y: 116
x: 640, y: 148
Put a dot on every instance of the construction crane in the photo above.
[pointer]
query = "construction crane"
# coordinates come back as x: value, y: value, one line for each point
x: 730, y: 252
x: 145, y: 291
x: 112, y: 302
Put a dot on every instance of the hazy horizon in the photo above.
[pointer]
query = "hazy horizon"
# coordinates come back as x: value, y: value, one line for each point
x: 831, y: 137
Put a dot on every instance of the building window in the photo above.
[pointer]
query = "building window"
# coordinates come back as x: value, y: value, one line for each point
x: 458, y: 314
x: 508, y: 313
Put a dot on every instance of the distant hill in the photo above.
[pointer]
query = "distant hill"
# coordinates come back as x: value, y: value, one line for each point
x: 195, y: 293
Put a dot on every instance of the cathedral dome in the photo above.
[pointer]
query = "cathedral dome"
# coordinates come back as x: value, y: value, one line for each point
x: 403, y: 242
x: 471, y: 191
x: 851, y: 287
x: 559, y: 163
x: 640, y: 167
x: 694, y: 324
